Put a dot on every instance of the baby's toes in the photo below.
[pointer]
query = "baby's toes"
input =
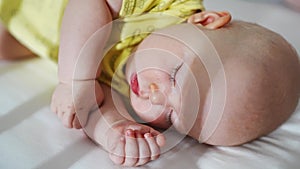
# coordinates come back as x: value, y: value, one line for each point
x: 153, y: 146
x: 116, y: 159
x: 144, y: 151
x: 131, y: 149
x: 117, y: 155
x: 160, y: 138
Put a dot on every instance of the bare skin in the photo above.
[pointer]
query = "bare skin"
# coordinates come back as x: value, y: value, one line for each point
x: 262, y: 74
x: 94, y: 15
x: 127, y: 142
x: 134, y: 144
x: 98, y: 14
x: 10, y: 48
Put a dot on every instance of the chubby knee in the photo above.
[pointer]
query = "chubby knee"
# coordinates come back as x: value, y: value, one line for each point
x: 10, y: 48
x: 3, y: 43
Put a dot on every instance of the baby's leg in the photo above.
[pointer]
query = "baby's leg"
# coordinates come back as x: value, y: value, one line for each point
x: 128, y: 142
x: 78, y: 61
x: 10, y: 48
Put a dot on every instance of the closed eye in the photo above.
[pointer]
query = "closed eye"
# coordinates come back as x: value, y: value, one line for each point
x: 173, y: 74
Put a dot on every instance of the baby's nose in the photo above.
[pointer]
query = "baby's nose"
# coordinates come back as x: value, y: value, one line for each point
x: 156, y: 96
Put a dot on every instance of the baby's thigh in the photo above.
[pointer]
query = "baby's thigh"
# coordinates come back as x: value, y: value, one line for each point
x: 10, y: 48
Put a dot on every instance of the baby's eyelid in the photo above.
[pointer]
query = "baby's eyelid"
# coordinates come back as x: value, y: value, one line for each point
x: 173, y: 74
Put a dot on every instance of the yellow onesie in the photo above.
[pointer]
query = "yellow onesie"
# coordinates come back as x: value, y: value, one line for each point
x: 36, y: 24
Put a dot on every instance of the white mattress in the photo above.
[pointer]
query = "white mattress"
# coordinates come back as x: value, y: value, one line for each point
x: 32, y: 137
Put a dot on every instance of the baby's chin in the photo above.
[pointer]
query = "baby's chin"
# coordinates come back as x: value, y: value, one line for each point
x: 155, y: 116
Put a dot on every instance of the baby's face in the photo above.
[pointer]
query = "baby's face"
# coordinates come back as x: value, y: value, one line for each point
x: 154, y: 92
x: 163, y: 89
x: 154, y: 97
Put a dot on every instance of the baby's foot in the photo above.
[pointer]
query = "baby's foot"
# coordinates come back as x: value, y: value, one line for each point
x: 132, y: 144
x: 82, y: 97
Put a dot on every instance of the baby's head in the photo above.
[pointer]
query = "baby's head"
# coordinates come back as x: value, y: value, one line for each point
x: 260, y: 68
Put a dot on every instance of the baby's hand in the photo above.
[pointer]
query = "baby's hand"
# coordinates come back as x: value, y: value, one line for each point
x: 83, y: 96
x: 133, y: 144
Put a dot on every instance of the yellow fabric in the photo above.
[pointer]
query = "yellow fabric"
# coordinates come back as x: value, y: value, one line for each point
x: 139, y: 18
x: 36, y: 24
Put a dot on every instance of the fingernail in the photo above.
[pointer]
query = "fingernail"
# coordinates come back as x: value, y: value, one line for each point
x: 128, y: 132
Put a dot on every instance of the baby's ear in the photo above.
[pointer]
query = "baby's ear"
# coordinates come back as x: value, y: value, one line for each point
x: 210, y: 19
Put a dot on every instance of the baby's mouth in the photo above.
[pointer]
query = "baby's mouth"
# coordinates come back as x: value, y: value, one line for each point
x: 134, y: 84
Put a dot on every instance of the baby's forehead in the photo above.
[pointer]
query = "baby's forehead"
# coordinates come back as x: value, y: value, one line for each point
x: 159, y: 51
x: 168, y: 43
x: 179, y: 44
x: 163, y: 42
x: 179, y: 39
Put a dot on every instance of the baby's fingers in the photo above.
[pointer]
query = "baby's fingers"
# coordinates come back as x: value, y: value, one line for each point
x: 154, y: 147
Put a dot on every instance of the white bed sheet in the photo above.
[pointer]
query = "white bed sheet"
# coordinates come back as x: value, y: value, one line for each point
x: 32, y: 137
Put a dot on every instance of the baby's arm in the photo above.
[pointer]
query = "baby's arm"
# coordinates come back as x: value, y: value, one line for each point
x: 80, y: 21
x: 128, y: 143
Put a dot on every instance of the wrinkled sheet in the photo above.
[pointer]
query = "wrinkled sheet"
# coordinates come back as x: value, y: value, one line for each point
x: 32, y: 137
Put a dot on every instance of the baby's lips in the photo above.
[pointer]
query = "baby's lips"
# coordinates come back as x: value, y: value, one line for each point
x: 134, y: 84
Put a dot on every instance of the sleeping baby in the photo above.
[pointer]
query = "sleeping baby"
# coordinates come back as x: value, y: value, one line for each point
x: 220, y: 83
x: 224, y: 87
x: 179, y: 75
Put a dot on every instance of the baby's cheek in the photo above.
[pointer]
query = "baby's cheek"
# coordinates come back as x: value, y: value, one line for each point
x: 174, y: 98
x: 142, y: 108
x: 138, y: 104
x: 155, y: 115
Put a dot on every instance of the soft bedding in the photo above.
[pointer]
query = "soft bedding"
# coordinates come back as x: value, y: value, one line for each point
x: 32, y: 137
